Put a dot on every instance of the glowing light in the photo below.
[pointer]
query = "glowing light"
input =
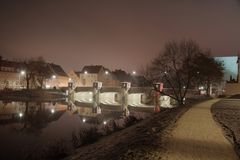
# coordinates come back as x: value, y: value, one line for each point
x: 90, y: 99
x: 184, y: 87
x: 104, y: 122
x: 22, y: 72
x: 70, y: 79
x: 47, y: 86
x: 85, y: 72
x: 52, y: 111
x: 134, y: 72
x: 54, y: 76
x: 84, y: 120
x: 106, y: 72
x: 201, y: 88
x: 165, y: 72
x: 20, y: 114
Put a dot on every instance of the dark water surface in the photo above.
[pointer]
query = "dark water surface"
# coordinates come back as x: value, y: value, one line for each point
x: 26, y: 125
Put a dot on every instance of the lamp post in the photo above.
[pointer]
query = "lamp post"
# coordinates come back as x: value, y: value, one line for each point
x: 22, y: 73
x: 53, y: 80
x: 134, y: 73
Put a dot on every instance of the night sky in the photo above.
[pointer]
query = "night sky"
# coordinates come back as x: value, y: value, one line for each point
x: 117, y: 34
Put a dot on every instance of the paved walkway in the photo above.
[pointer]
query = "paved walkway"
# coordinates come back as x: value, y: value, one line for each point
x: 198, y: 137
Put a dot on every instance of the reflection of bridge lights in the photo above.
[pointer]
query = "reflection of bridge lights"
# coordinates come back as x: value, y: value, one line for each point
x: 20, y: 114
x: 52, y: 111
x: 104, y: 122
x: 84, y: 120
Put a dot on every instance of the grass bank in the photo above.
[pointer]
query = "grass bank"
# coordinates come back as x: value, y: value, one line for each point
x: 227, y: 113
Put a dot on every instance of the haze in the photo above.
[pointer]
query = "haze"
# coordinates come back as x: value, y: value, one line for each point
x: 122, y: 34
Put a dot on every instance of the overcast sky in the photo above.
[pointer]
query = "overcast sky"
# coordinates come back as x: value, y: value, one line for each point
x: 117, y: 34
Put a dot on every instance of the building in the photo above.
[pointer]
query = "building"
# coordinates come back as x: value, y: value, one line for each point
x: 231, y: 82
x: 230, y: 67
x: 90, y: 74
x: 74, y: 77
x: 11, y: 74
x: 59, y: 77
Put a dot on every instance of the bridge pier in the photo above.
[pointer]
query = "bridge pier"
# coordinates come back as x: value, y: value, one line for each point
x: 70, y: 92
x: 158, y: 87
x: 96, y: 94
x: 125, y: 87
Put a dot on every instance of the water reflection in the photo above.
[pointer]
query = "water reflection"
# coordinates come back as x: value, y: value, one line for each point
x: 30, y: 116
x: 24, y: 125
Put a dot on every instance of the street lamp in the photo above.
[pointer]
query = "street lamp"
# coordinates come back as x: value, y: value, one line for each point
x: 85, y: 72
x: 20, y: 114
x: 52, y: 110
x: 134, y: 72
x: 22, y: 72
x: 106, y: 72
x: 54, y: 76
x: 104, y: 122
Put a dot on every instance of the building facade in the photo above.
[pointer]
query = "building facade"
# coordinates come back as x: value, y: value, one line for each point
x: 58, y: 78
x: 90, y: 74
x: 13, y: 75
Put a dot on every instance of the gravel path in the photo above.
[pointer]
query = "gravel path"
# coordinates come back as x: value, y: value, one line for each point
x: 198, y: 137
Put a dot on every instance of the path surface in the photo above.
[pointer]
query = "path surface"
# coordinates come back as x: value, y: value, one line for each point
x: 198, y: 137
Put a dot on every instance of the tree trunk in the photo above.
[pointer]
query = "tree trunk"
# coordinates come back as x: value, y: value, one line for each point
x: 208, y: 87
x: 28, y: 81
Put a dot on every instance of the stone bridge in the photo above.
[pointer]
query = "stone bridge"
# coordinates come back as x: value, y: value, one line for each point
x: 123, y: 96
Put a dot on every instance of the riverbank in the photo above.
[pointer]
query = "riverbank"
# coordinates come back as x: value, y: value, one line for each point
x: 32, y: 95
x: 227, y: 113
x: 144, y: 140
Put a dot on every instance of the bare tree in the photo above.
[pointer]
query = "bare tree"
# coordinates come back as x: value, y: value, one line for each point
x: 175, y: 67
x: 210, y: 72
x: 37, y: 72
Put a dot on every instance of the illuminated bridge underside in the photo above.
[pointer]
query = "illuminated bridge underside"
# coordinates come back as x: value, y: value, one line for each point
x: 135, y: 99
x: 111, y: 98
x: 84, y: 97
